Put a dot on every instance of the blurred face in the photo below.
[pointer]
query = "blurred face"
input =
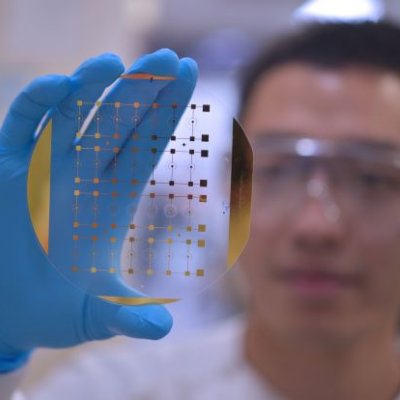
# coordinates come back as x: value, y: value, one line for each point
x: 318, y: 266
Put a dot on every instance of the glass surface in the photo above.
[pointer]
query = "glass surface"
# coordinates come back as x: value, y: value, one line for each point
x: 145, y: 201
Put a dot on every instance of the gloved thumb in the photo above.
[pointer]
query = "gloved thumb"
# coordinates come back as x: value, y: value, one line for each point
x: 104, y: 320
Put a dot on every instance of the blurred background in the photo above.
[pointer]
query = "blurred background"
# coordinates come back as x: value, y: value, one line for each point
x: 54, y: 36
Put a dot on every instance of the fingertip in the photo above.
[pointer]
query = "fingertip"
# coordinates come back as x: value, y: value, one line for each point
x: 105, y: 67
x: 166, y: 54
x: 44, y: 92
x: 164, y: 62
x: 188, y: 69
x: 146, y: 322
x: 30, y: 106
x: 160, y: 319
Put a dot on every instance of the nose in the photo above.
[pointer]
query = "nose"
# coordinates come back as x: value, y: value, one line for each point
x: 318, y: 226
x: 318, y: 188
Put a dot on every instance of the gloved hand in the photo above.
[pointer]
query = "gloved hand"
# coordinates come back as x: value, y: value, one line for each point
x: 39, y: 307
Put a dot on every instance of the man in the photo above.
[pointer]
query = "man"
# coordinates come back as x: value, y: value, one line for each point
x: 322, y: 261
x: 321, y: 266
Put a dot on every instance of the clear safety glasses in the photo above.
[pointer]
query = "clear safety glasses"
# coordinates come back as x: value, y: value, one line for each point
x: 350, y: 178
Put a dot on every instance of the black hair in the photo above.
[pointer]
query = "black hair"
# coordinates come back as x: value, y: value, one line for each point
x: 331, y: 46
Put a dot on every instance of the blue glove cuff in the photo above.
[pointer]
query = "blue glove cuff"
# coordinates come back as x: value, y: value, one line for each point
x: 11, y: 362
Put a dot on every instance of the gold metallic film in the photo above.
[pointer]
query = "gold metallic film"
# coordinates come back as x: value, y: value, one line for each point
x: 241, y: 187
x: 39, y: 186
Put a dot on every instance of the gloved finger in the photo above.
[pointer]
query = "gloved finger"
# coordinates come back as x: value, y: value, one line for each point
x: 148, y: 322
x: 104, y: 320
x: 89, y: 82
x: 141, y: 163
x: 29, y: 107
x: 135, y: 93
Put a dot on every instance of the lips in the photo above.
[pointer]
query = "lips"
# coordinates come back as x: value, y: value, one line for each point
x: 316, y: 282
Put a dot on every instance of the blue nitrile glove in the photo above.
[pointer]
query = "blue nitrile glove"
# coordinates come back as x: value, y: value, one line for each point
x: 39, y: 307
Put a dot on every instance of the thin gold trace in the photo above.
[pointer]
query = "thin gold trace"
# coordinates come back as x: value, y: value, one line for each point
x: 137, y: 301
x: 146, y: 76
